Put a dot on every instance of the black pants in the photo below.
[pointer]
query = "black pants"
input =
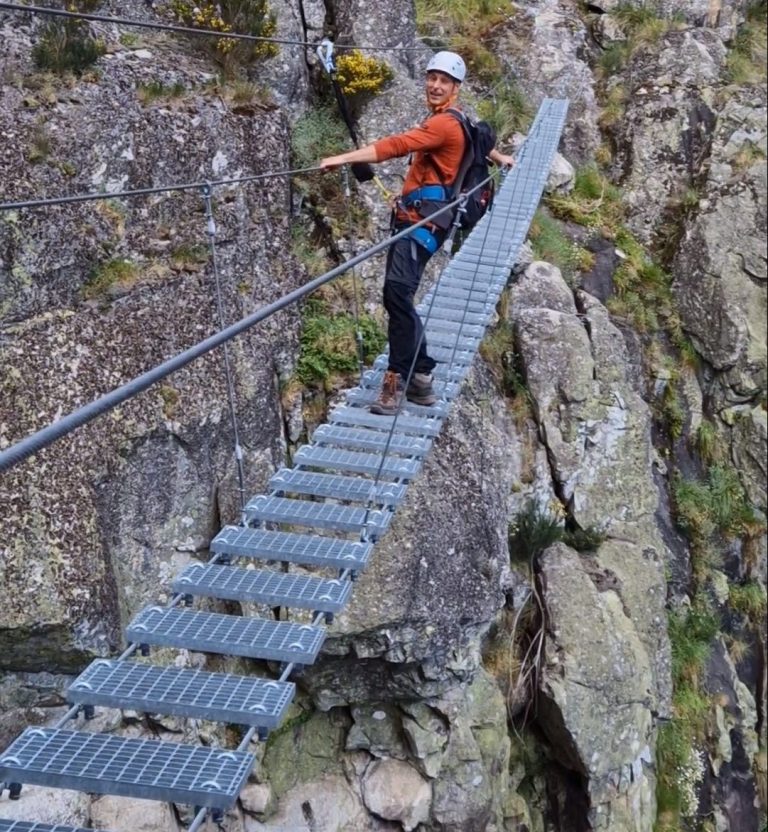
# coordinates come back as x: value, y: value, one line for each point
x: 406, y: 260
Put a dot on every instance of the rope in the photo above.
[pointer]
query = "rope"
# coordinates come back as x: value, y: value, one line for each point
x: 160, y: 189
x: 46, y: 436
x: 187, y: 30
x: 211, y: 229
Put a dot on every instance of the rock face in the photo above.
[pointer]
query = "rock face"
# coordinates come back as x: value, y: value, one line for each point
x: 93, y: 295
x: 599, y: 700
x: 544, y: 46
x: 670, y: 115
x: 721, y: 282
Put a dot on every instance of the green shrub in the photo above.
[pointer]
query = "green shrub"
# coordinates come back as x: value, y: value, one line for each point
x: 507, y: 110
x: 749, y: 599
x: 531, y: 532
x: 248, y: 17
x: 534, y: 530
x: 318, y: 133
x: 691, y: 633
x: 746, y: 62
x: 66, y: 45
x: 328, y: 344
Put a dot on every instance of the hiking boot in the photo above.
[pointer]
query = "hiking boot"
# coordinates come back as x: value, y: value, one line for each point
x: 390, y: 395
x: 420, y: 390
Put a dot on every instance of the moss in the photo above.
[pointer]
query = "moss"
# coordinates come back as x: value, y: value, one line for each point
x: 158, y: 90
x: 318, y: 133
x: 109, y: 277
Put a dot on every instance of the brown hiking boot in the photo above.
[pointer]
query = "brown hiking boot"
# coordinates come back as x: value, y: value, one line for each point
x: 390, y: 396
x: 420, y: 390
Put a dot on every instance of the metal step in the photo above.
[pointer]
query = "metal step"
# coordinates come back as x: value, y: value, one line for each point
x: 220, y: 697
x: 406, y: 423
x: 266, y: 509
x: 315, y: 456
x: 229, y: 635
x: 374, y: 378
x: 105, y: 764
x: 458, y: 316
x: 464, y: 330
x: 441, y: 354
x: 363, y: 439
x: 337, y: 487
x: 447, y: 301
x: 364, y: 397
x: 34, y: 826
x: 303, y: 549
x: 439, y: 338
x: 261, y: 586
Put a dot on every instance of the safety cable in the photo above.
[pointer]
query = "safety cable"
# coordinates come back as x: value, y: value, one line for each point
x: 46, y: 436
x: 160, y: 189
x: 210, y: 224
x: 188, y: 30
x: 355, y: 284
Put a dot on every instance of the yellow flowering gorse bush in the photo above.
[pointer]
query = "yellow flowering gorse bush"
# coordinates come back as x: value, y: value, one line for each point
x: 359, y: 74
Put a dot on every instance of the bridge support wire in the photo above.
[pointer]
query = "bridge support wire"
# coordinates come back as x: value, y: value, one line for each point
x: 211, y: 230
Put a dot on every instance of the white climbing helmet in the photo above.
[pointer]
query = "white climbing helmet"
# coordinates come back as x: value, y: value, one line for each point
x: 450, y: 63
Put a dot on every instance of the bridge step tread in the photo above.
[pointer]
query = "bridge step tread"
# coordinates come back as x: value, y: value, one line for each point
x: 444, y: 354
x: 406, y: 423
x: 278, y: 589
x: 357, y: 461
x: 365, y: 396
x: 302, y: 549
x: 337, y: 487
x: 221, y: 697
x: 373, y: 379
x: 364, y: 439
x: 264, y: 508
x: 105, y: 764
x: 229, y: 635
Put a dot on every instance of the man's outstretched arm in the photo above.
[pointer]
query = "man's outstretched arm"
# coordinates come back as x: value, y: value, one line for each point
x: 362, y: 154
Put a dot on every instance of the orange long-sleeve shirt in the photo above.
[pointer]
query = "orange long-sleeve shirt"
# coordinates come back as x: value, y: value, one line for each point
x: 441, y: 137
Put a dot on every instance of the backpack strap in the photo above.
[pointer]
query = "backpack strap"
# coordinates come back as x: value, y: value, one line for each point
x: 466, y: 159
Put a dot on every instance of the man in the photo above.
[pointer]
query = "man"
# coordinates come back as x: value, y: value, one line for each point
x: 438, y: 148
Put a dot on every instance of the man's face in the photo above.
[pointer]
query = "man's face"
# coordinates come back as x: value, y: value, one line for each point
x: 440, y: 87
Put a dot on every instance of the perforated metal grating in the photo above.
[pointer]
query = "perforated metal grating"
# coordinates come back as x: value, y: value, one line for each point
x: 371, y: 440
x: 245, y: 700
x: 231, y: 635
x: 338, y: 487
x: 104, y: 764
x: 317, y: 515
x: 362, y: 463
x: 304, y: 549
x: 406, y: 423
x: 274, y: 588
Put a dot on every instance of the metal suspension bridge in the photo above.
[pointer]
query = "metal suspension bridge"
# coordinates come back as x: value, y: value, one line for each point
x: 343, y: 489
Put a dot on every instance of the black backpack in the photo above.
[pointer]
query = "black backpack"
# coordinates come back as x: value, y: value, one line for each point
x: 480, y: 141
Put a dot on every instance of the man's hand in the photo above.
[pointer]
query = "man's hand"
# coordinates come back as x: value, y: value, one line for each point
x: 333, y: 162
x: 503, y: 160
